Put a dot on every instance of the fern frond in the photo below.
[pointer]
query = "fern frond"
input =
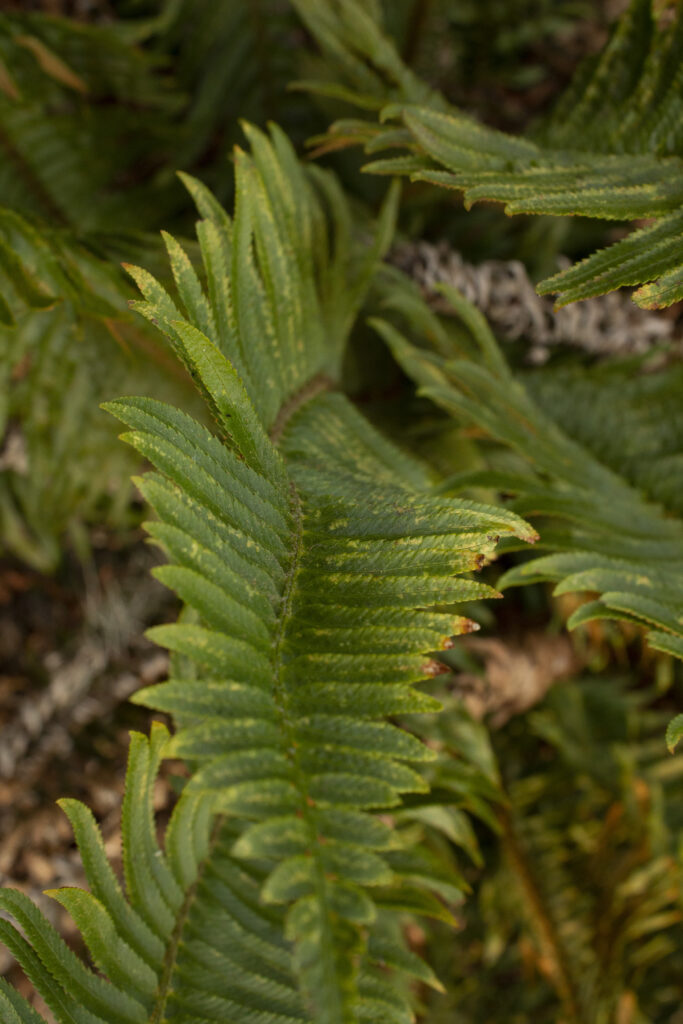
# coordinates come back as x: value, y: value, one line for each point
x: 583, y: 884
x: 484, y: 163
x: 235, y: 64
x: 66, y: 330
x: 348, y: 32
x: 80, y: 107
x: 189, y: 940
x: 632, y: 420
x: 604, y: 536
x: 624, y: 164
x: 321, y: 573
x: 337, y: 553
x: 95, y: 117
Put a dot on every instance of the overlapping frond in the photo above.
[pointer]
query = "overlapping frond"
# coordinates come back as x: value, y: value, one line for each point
x: 454, y: 151
x: 93, y: 121
x: 605, y: 537
x: 320, y: 572
x: 613, y: 151
x: 629, y: 414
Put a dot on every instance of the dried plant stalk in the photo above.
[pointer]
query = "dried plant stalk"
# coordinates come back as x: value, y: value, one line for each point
x: 607, y: 325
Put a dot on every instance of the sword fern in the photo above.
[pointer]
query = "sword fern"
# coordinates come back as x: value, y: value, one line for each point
x: 318, y: 570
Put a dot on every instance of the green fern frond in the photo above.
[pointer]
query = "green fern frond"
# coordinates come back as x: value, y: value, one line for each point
x: 604, y: 536
x: 582, y: 885
x: 80, y: 106
x: 321, y: 573
x: 95, y: 116
x: 348, y: 33
x: 66, y: 329
x: 628, y: 98
x: 623, y: 164
x: 235, y: 64
x: 629, y: 414
x: 486, y: 164
x: 333, y: 568
x: 189, y: 940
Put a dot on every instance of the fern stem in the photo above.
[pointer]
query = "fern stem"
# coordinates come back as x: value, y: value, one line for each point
x: 542, y: 921
x: 307, y: 807
x: 164, y: 987
x: 315, y: 386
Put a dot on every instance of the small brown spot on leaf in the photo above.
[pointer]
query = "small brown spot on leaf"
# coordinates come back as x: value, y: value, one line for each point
x: 435, y: 668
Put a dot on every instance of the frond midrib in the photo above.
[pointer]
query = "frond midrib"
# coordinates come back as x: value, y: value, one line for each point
x: 313, y: 387
x: 165, y: 986
x: 281, y: 698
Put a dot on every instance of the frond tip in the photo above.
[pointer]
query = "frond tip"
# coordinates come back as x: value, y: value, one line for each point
x: 674, y: 733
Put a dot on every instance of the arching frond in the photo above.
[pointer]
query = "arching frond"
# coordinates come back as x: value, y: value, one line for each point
x: 320, y: 574
x: 604, y: 536
x: 613, y: 151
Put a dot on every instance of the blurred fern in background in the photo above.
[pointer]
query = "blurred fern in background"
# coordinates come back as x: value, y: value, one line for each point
x: 578, y: 914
